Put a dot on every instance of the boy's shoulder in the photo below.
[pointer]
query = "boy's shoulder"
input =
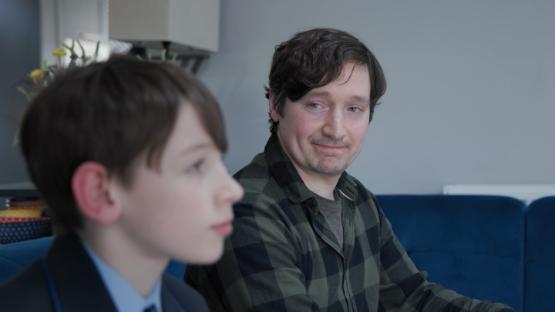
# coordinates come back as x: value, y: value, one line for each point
x: 26, y: 291
x: 66, y: 275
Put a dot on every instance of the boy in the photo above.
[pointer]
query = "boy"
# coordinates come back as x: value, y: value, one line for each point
x: 127, y: 155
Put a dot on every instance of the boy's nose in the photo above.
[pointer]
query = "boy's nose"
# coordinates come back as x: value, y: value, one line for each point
x: 231, y: 190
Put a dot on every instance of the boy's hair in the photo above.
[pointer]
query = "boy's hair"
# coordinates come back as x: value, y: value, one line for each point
x: 314, y: 58
x: 113, y: 113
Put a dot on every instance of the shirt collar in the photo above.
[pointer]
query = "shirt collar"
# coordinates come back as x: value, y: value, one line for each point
x: 289, y: 180
x: 124, y: 295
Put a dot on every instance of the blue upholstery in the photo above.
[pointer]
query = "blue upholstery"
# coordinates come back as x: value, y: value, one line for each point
x: 540, y: 256
x: 471, y: 244
x: 15, y: 257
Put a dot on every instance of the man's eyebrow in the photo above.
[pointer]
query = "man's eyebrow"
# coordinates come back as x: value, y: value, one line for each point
x: 358, y: 98
x: 317, y: 93
x: 363, y: 99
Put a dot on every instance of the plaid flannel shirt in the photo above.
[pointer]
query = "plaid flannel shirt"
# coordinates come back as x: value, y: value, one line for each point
x: 282, y: 255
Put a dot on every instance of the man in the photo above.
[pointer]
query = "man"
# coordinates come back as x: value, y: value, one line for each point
x: 308, y: 236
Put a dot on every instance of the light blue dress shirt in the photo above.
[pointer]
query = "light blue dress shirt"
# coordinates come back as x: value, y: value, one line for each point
x: 124, y: 295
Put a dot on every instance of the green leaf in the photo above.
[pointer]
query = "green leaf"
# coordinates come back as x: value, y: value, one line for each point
x: 71, y: 48
x: 83, y: 55
x: 25, y: 93
x: 96, y: 50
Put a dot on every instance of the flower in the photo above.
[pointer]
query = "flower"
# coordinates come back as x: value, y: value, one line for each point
x: 39, y: 78
x: 59, y: 52
x: 37, y: 73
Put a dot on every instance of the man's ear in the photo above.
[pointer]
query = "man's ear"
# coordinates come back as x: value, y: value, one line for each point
x: 93, y: 194
x: 272, y: 109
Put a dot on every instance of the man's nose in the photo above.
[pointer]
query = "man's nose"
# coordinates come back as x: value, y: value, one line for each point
x: 334, y: 126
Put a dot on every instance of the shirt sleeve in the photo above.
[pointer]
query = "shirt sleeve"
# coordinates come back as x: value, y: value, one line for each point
x: 404, y: 288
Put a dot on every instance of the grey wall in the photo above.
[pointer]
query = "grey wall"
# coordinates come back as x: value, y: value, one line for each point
x: 19, y: 43
x: 471, y: 86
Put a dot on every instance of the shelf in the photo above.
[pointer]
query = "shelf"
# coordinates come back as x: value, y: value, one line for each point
x: 23, y: 189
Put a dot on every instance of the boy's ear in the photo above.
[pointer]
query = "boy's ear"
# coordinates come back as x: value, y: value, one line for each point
x: 274, y: 114
x: 93, y: 194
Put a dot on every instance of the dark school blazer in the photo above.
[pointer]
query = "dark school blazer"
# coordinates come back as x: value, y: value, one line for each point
x: 67, y: 280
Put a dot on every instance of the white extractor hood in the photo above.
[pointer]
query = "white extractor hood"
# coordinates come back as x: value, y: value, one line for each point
x: 184, y: 24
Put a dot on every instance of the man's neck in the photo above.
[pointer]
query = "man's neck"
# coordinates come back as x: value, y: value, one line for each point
x: 319, y: 184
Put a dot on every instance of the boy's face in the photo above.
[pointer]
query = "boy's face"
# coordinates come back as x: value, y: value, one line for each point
x: 184, y: 209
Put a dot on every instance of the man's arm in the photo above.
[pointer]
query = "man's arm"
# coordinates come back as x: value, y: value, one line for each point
x: 259, y: 270
x: 404, y: 288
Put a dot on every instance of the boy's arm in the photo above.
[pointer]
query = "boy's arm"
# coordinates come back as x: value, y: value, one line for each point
x: 404, y: 288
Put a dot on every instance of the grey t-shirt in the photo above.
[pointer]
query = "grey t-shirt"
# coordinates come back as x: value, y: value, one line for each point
x: 331, y: 209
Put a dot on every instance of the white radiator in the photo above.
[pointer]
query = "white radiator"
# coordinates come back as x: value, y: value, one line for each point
x: 525, y: 192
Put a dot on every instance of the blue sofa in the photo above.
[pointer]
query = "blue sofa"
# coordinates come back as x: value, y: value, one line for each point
x: 487, y: 247
x: 539, y: 270
x: 471, y: 244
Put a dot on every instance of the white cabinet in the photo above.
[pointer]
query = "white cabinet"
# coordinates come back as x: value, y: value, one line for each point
x: 186, y: 23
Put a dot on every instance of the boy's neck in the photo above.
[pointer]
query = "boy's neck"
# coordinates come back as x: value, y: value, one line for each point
x: 122, y: 255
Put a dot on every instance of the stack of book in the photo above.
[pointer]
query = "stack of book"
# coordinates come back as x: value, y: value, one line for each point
x: 23, y: 218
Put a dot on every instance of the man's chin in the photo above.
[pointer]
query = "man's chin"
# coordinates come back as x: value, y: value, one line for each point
x: 331, y: 171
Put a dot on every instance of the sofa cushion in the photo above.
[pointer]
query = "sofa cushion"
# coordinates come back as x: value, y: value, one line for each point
x: 471, y: 244
x: 540, y: 256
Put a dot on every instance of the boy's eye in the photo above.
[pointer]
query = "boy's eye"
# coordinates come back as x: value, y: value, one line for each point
x: 196, y: 167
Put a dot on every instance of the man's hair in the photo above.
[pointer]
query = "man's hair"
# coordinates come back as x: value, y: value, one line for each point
x: 314, y: 58
x: 115, y: 113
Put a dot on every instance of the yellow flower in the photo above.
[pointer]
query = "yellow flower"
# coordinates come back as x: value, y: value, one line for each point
x: 37, y: 73
x: 59, y: 52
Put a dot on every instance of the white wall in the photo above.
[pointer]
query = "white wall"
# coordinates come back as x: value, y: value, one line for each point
x: 471, y: 86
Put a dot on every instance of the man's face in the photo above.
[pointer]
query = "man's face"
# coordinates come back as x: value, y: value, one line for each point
x: 323, y: 132
x: 183, y: 209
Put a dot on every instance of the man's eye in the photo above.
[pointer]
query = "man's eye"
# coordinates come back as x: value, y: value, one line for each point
x: 314, y: 105
x: 354, y: 109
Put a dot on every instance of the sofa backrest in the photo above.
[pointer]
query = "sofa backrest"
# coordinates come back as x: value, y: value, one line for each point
x: 471, y: 244
x: 15, y: 257
x: 540, y: 256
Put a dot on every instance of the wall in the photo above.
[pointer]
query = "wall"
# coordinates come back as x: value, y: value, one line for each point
x: 470, y: 98
x: 19, y: 41
x: 471, y: 86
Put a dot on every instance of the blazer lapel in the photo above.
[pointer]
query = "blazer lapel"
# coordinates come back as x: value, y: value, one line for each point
x: 78, y: 284
x: 170, y: 303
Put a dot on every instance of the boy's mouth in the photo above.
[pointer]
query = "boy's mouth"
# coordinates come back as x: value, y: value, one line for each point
x: 224, y: 228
